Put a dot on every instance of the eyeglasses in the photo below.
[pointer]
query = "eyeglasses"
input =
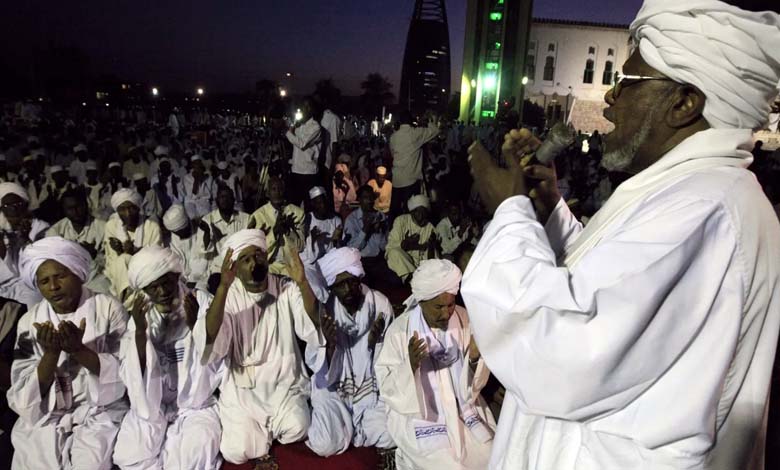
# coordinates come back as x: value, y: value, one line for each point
x: 620, y: 78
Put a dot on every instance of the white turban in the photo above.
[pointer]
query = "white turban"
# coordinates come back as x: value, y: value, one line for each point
x: 244, y: 239
x: 175, y: 218
x: 91, y: 166
x: 150, y: 264
x: 730, y: 54
x: 13, y: 188
x: 138, y: 176
x: 316, y: 191
x: 80, y: 148
x: 161, y: 150
x: 125, y: 195
x: 419, y: 200
x: 55, y: 169
x: 222, y: 166
x: 434, y: 277
x: 67, y: 253
x: 341, y: 260
x: 113, y: 164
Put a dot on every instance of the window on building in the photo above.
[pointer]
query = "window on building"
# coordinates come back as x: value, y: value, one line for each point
x: 591, y: 50
x: 530, y: 67
x: 611, y: 52
x: 588, y: 76
x: 549, y: 69
x: 551, y: 47
x: 609, y: 74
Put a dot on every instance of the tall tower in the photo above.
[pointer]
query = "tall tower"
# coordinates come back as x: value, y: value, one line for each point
x: 425, y: 77
x: 494, y: 58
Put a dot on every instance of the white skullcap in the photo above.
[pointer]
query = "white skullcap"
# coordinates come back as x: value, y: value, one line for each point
x: 28, y: 158
x: 419, y: 200
x: 341, y: 260
x: 113, y: 164
x: 316, y: 191
x: 138, y: 176
x: 13, y: 188
x: 380, y: 170
x: 67, y: 253
x: 80, y: 148
x: 150, y: 264
x: 175, y: 218
x: 195, y: 158
x: 434, y: 277
x: 126, y: 195
x: 730, y: 54
x: 161, y: 150
x: 55, y: 169
x: 91, y: 166
x: 244, y: 239
x: 222, y: 165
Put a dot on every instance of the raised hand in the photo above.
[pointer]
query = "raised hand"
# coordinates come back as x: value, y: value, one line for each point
x: 329, y: 329
x: 494, y: 183
x: 116, y: 245
x: 294, y: 264
x: 411, y: 242
x: 216, y: 233
x: 191, y: 308
x: 71, y: 336
x: 377, y: 328
x: 418, y: 351
x: 228, y: 271
x: 139, y: 311
x: 47, y: 337
x: 473, y: 351
x: 128, y: 247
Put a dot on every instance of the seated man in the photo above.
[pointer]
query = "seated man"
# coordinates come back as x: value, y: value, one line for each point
x: 412, y: 239
x: 253, y: 324
x: 430, y: 374
x: 220, y: 223
x: 80, y: 227
x: 279, y: 221
x: 10, y: 312
x: 173, y: 421
x: 197, y: 189
x: 150, y: 204
x: 322, y: 231
x: 345, y: 397
x: 127, y: 231
x: 65, y: 383
x: 383, y: 189
x: 366, y: 230
x: 455, y: 230
x: 187, y: 245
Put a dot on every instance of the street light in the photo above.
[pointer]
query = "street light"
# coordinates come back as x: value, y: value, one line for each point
x: 155, y: 91
x: 200, y: 91
x: 525, y: 81
x: 282, y: 92
x: 298, y: 115
x: 288, y: 74
x: 473, y: 83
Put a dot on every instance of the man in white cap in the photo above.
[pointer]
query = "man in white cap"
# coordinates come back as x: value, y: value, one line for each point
x: 150, y: 205
x: 136, y: 163
x: 65, y: 383
x: 412, y: 239
x: 94, y: 191
x: 49, y: 197
x: 79, y: 226
x: 173, y: 420
x: 346, y: 408
x: 127, y: 231
x: 186, y: 243
x: 383, y: 189
x: 322, y: 229
x: 254, y: 323
x: 645, y: 340
x: 430, y: 373
x: 197, y: 190
x: 78, y: 167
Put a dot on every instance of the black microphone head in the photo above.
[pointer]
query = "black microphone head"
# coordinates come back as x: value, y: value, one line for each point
x: 560, y: 138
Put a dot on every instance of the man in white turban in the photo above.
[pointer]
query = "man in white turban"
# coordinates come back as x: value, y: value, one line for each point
x: 65, y: 383
x: 322, y: 230
x: 430, y: 374
x: 645, y: 340
x: 198, y: 190
x: 173, y: 420
x: 345, y: 397
x: 188, y: 244
x: 127, y: 231
x: 412, y: 239
x: 253, y: 324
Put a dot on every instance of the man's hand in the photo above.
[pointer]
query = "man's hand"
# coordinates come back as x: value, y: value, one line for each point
x: 337, y: 234
x: 47, y: 337
x: 139, y: 311
x: 204, y: 227
x: 418, y: 351
x: 116, y: 245
x: 71, y: 336
x: 377, y: 328
x: 329, y: 330
x: 128, y: 247
x: 473, y: 351
x: 228, y: 271
x: 411, y: 242
x: 191, y: 308
x: 216, y: 233
x: 253, y: 223
x: 294, y: 264
x: 545, y: 181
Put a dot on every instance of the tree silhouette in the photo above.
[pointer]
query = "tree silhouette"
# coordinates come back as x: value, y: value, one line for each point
x: 376, y: 93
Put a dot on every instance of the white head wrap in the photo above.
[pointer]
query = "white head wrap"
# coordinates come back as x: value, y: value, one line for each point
x: 55, y: 169
x: 380, y: 170
x: 195, y: 158
x: 161, y: 150
x: 67, y: 253
x: 243, y: 239
x: 138, y: 176
x: 175, y: 218
x: 91, y: 166
x: 80, y: 148
x: 730, y: 54
x: 222, y: 165
x: 113, y: 164
x: 316, y: 191
x: 28, y: 158
x: 125, y: 195
x: 419, y: 200
x: 151, y: 263
x: 13, y: 188
x: 434, y: 277
x: 341, y: 260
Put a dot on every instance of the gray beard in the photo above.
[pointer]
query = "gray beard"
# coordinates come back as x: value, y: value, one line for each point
x: 622, y: 158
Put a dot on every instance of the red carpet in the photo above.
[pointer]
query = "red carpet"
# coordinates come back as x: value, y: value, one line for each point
x: 298, y: 457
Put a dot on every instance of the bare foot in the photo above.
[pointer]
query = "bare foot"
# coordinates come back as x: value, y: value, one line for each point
x: 266, y: 462
x: 386, y: 459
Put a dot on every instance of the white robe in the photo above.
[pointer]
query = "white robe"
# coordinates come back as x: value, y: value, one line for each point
x: 402, y: 262
x: 75, y: 425
x: 11, y: 285
x: 196, y: 265
x: 200, y: 204
x: 266, y: 217
x: 313, y: 250
x: 147, y: 234
x: 173, y: 420
x: 264, y: 394
x: 655, y: 350
x: 398, y: 387
x: 93, y: 234
x: 346, y: 408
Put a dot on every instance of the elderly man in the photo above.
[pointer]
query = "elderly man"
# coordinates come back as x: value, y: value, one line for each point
x: 188, y: 245
x: 345, y: 398
x: 430, y: 374
x: 412, y: 239
x: 645, y: 340
x: 254, y: 323
x: 173, y: 420
x: 65, y: 382
x: 80, y: 227
x: 127, y: 231
x: 383, y: 189
x: 280, y: 222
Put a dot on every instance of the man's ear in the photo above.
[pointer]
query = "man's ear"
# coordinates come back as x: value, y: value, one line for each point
x: 687, y: 106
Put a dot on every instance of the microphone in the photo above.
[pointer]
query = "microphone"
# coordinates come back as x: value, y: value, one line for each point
x: 560, y: 138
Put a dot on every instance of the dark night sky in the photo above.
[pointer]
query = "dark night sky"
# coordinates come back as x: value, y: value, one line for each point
x: 227, y: 45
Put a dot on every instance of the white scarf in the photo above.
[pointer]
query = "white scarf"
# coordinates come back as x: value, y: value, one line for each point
x: 702, y: 151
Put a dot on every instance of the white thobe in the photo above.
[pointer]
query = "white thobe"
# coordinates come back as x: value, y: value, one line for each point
x: 450, y: 237
x: 196, y: 266
x: 78, y: 170
x: 74, y: 425
x: 173, y: 420
x: 238, y: 221
x: 147, y: 234
x: 264, y: 394
x: 92, y: 234
x: 403, y: 263
x: 398, y: 387
x: 266, y: 217
x: 406, y: 145
x: 313, y: 250
x: 200, y: 204
x: 655, y: 349
x: 11, y: 285
x: 306, y: 147
x: 331, y: 123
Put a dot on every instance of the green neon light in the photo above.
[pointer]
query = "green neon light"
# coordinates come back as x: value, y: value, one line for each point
x: 489, y: 82
x: 496, y: 16
x: 500, y: 2
x: 488, y: 114
x: 497, y: 45
x: 491, y: 66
